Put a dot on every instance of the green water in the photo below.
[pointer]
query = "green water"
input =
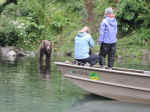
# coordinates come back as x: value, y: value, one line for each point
x: 24, y: 89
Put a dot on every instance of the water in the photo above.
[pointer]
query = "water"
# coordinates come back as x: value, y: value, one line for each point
x: 24, y: 89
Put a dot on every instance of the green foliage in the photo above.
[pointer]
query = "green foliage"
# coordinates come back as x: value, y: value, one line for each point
x: 10, y: 11
x: 34, y: 20
x: 28, y: 31
x: 132, y: 14
x: 59, y: 20
x: 75, y: 6
x: 24, y: 10
x: 139, y: 37
x: 18, y: 32
x: 8, y: 36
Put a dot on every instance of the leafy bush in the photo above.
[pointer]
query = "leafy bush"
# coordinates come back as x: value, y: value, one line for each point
x: 19, y: 32
x: 75, y: 6
x: 27, y: 31
x: 8, y: 35
x: 59, y: 20
x: 141, y: 37
x: 132, y: 14
x: 10, y: 10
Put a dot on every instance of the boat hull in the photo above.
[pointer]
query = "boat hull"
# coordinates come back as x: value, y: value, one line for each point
x: 121, y: 84
x: 112, y: 91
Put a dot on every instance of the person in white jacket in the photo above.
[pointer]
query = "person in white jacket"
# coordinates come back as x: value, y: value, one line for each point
x: 83, y: 43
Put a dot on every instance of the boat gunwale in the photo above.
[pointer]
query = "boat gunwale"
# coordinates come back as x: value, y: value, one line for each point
x: 105, y: 70
x: 108, y: 83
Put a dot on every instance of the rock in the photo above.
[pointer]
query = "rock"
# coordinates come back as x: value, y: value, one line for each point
x: 11, y: 53
x: 5, y: 50
x: 21, y: 54
x: 29, y: 53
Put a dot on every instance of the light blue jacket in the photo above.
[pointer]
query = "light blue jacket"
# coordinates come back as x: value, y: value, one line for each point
x: 83, y: 42
x: 108, y: 31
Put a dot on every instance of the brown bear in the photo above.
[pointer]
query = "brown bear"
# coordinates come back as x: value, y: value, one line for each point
x: 45, y: 49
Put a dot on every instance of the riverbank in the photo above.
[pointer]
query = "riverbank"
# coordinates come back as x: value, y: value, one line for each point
x: 24, y: 25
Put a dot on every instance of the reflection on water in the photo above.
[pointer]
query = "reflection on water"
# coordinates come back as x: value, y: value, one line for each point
x: 44, y: 72
x: 22, y: 89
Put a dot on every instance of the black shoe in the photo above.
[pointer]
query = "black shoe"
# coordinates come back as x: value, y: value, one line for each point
x: 91, y: 65
x: 74, y: 62
x: 80, y: 63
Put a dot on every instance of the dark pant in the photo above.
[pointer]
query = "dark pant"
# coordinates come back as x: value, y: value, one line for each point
x: 110, y: 50
x: 92, y: 60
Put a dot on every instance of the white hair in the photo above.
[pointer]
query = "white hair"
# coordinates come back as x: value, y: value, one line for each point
x: 108, y: 11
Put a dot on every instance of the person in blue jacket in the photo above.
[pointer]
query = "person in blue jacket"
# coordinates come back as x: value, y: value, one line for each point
x: 83, y: 43
x: 107, y: 38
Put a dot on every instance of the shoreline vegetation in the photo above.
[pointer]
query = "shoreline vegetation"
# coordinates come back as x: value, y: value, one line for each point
x: 24, y: 23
